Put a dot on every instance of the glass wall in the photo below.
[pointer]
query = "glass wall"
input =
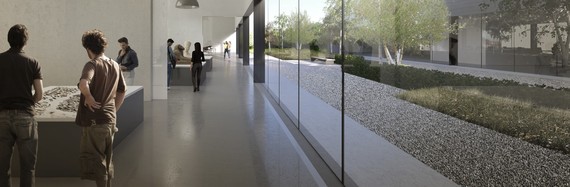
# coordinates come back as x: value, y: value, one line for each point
x: 289, y: 61
x: 273, y: 45
x: 301, y: 45
x: 319, y: 23
x: 434, y: 92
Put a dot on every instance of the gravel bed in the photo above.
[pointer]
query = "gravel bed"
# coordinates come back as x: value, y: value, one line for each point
x: 466, y: 153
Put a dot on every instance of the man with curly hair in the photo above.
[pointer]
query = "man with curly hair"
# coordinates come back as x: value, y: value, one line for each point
x: 102, y: 92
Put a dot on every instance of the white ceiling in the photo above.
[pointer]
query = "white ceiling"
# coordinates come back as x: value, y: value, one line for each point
x: 221, y: 8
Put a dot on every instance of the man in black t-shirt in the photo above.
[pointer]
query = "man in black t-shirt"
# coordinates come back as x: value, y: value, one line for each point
x: 18, y: 73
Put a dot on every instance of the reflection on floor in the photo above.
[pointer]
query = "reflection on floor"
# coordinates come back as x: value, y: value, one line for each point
x: 224, y: 135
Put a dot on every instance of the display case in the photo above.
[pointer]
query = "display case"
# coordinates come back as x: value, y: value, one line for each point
x: 59, y: 136
x: 182, y: 75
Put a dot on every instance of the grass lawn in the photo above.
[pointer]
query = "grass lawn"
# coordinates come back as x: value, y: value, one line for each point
x: 539, y: 121
x: 292, y: 54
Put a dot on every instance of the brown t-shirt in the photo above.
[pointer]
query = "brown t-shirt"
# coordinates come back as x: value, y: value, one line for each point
x: 105, y: 80
x: 17, y: 75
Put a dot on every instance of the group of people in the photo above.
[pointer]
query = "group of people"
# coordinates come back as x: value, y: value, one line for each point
x: 177, y: 57
x: 103, y: 84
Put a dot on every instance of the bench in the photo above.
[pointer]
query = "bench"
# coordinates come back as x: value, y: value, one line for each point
x: 322, y: 59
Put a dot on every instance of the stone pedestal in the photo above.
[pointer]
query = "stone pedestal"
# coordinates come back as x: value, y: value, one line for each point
x: 182, y: 75
x: 59, y: 136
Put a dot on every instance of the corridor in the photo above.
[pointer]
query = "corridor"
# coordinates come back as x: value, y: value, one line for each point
x: 227, y: 134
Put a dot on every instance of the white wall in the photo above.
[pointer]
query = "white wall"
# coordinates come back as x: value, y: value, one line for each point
x: 55, y: 30
x: 184, y: 25
x: 217, y: 30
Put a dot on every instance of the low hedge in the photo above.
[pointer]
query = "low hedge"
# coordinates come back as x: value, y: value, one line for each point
x: 410, y: 78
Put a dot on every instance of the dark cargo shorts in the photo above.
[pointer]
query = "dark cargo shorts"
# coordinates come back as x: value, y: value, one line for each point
x: 96, y: 152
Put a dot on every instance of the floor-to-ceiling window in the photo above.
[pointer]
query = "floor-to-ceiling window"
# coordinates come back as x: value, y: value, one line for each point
x: 272, y: 45
x: 318, y: 26
x: 301, y: 43
x: 429, y: 92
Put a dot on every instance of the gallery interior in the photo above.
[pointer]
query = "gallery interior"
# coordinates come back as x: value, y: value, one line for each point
x: 314, y: 92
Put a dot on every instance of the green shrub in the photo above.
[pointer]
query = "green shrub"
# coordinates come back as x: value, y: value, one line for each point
x: 313, y: 46
x: 547, y: 127
x: 350, y: 60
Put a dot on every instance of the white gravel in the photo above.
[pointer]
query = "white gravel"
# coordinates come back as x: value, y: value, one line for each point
x: 466, y: 153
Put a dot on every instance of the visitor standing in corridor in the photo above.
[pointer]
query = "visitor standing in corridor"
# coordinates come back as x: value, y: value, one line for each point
x: 197, y: 58
x: 102, y: 93
x: 18, y: 74
x: 128, y: 60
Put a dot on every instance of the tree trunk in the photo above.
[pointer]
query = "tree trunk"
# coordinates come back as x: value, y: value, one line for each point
x: 269, y: 45
x: 566, y: 44
x: 380, y: 57
x: 388, y: 55
x: 399, y: 56
x: 340, y: 43
x: 562, y: 44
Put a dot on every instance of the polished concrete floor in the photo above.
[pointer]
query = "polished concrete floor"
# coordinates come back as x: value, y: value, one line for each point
x: 227, y: 134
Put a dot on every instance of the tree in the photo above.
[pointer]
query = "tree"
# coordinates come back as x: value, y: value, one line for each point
x: 396, y: 24
x: 299, y: 29
x: 281, y: 22
x: 514, y: 13
x: 332, y: 23
x: 271, y: 34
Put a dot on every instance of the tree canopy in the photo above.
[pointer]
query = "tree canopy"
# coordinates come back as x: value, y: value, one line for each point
x: 513, y: 13
x: 397, y: 24
x: 299, y: 26
x: 401, y: 22
x: 551, y: 18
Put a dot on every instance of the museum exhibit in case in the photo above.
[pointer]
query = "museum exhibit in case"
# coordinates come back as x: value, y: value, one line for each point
x: 59, y: 136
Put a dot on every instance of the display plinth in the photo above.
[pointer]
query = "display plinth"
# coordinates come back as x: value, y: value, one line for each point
x: 182, y: 75
x: 209, y: 61
x: 59, y: 136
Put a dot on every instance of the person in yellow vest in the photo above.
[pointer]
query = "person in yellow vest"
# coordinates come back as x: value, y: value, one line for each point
x: 226, y: 49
